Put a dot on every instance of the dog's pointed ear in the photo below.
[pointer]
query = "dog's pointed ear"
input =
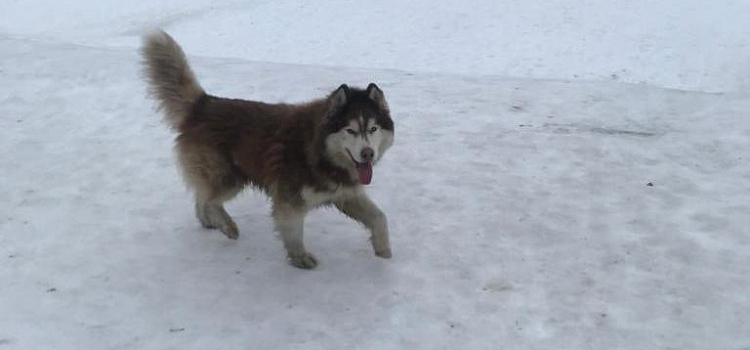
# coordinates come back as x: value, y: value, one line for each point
x: 338, y: 99
x: 376, y: 95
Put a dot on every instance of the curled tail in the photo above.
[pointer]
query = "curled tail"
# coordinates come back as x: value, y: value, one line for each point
x: 169, y: 77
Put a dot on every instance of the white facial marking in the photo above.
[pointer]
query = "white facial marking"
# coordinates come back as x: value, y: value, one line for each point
x: 346, y: 145
x: 366, y: 135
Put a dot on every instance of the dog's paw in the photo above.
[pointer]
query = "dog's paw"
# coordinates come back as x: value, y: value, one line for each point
x: 384, y: 253
x: 381, y: 246
x: 230, y: 230
x: 207, y: 225
x: 303, y: 261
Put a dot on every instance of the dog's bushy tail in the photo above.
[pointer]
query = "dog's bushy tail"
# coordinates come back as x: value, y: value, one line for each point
x: 169, y: 77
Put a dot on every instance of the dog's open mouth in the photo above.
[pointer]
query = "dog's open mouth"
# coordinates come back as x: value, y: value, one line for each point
x: 363, y: 169
x: 365, y: 172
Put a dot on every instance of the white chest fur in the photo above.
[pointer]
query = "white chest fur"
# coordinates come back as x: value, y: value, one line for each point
x: 315, y: 198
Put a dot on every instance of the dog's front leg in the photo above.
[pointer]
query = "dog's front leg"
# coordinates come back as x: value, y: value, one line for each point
x: 289, y: 222
x: 362, y: 209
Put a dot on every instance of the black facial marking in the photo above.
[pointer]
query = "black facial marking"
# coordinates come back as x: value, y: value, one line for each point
x: 361, y: 121
x: 358, y: 103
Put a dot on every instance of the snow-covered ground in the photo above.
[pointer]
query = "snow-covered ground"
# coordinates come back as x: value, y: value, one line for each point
x: 700, y: 45
x: 526, y: 213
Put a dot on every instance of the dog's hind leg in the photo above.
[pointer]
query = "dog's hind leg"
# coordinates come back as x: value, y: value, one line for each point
x: 214, y: 182
x: 289, y: 222
x: 213, y: 215
x: 362, y: 209
x: 202, y: 214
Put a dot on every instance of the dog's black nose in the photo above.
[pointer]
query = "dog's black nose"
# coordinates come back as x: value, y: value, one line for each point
x: 367, y: 154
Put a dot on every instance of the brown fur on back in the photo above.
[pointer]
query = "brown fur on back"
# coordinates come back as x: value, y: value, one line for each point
x: 227, y: 143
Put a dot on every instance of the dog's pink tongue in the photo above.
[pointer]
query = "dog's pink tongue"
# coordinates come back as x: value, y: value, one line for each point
x: 365, y: 173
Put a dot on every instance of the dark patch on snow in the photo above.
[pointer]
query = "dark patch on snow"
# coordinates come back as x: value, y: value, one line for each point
x: 497, y: 286
x: 570, y: 128
x: 621, y: 132
x: 175, y: 330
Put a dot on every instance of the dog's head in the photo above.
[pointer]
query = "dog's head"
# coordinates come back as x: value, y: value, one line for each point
x: 359, y: 129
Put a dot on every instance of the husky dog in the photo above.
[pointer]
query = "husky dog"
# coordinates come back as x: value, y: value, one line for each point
x: 302, y: 156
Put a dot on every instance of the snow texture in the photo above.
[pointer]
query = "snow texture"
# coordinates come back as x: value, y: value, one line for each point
x: 552, y: 213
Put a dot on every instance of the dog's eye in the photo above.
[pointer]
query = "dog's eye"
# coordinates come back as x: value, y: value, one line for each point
x: 373, y: 129
x: 351, y: 132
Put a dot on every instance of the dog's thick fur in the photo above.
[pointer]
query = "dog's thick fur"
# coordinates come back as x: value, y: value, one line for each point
x: 302, y: 156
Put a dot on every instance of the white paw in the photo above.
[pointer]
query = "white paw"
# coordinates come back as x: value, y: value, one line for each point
x: 230, y: 230
x: 303, y: 261
x: 381, y: 246
x: 384, y: 253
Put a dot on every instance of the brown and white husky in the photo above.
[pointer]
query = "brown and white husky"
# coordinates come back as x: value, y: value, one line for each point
x: 301, y: 155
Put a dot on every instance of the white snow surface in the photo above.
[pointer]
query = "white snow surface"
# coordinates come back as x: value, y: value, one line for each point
x: 699, y: 45
x: 525, y: 213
